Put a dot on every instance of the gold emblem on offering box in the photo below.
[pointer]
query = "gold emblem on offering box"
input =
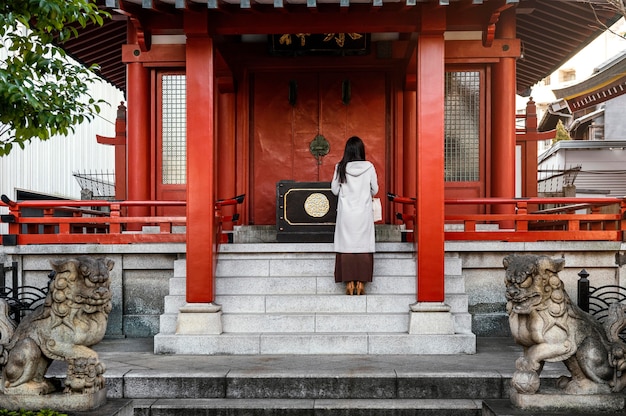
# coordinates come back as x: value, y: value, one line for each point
x: 316, y: 205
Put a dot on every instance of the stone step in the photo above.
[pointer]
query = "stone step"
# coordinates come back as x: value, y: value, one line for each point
x: 282, y: 299
x: 336, y: 377
x: 338, y: 304
x: 393, y: 285
x: 308, y: 407
x: 315, y: 323
x: 315, y: 343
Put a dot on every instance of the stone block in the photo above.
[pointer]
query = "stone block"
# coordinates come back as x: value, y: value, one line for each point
x: 362, y: 323
x: 199, y: 319
x: 314, y: 344
x: 173, y: 303
x: 394, y: 267
x: 392, y: 285
x: 141, y: 326
x: 238, y: 323
x: 150, y: 262
x: 240, y: 385
x: 178, y: 286
x: 491, y: 324
x: 243, y: 267
x: 449, y: 385
x: 462, y: 323
x: 313, y: 304
x: 302, y: 266
x: 458, y: 302
x: 180, y: 268
x: 187, y: 384
x: 454, y: 284
x: 241, y: 304
x: 167, y: 323
x: 555, y: 400
x: 421, y: 323
x: 56, y: 401
x: 235, y: 344
x: 422, y: 344
x: 389, y: 303
x: 453, y: 266
x: 269, y: 285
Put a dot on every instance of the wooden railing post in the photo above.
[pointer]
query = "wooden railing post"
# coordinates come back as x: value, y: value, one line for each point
x: 622, y: 216
x: 522, y: 211
x: 583, y: 290
x: 115, y: 227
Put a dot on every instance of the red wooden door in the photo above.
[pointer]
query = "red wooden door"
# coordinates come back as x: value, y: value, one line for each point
x: 291, y: 109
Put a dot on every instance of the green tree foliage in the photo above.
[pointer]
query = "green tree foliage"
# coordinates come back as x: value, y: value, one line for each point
x: 42, y: 92
x: 561, y: 133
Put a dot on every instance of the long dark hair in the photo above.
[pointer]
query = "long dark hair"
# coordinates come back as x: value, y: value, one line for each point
x: 355, y: 150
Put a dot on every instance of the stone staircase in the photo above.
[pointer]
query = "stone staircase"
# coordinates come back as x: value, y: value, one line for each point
x: 282, y: 299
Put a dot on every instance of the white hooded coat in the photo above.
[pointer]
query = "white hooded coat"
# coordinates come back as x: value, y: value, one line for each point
x: 354, y: 229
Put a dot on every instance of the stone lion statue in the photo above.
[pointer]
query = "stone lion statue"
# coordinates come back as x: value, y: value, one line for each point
x: 551, y: 328
x: 72, y: 318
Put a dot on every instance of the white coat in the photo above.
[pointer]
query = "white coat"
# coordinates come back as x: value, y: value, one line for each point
x: 354, y: 228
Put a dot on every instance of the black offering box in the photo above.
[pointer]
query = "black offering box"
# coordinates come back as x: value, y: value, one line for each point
x: 305, y: 212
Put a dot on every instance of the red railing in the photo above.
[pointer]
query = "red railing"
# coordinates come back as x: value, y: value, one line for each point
x: 567, y: 219
x: 106, y: 225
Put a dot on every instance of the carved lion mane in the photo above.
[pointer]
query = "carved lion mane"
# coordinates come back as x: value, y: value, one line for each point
x: 72, y: 318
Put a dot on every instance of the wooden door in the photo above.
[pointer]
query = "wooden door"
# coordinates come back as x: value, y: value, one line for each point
x: 171, y: 141
x: 464, y: 138
x: 291, y: 109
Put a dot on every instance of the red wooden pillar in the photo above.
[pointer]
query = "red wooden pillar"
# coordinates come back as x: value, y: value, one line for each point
x: 409, y: 176
x: 138, y: 129
x: 430, y: 157
x: 529, y: 170
x: 201, y: 242
x: 503, y: 120
x: 226, y: 187
x: 119, y: 141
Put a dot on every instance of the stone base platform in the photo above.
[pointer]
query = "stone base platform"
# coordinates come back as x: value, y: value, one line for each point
x: 556, y: 400
x: 316, y: 343
x: 552, y: 402
x: 112, y: 407
x: 55, y: 401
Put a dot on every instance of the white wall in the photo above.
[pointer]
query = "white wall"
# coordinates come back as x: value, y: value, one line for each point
x: 615, y: 119
x: 47, y: 167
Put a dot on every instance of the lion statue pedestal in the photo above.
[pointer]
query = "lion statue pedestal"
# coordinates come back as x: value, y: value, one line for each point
x: 550, y: 328
x: 72, y: 318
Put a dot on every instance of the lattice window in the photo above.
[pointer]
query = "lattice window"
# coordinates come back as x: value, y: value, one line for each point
x: 174, y: 129
x: 462, y: 126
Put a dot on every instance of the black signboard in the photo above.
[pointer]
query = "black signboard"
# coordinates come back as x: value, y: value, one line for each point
x: 291, y: 44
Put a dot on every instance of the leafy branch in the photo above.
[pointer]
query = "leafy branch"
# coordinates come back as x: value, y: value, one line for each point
x: 42, y: 92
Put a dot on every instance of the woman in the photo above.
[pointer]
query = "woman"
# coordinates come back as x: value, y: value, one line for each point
x: 354, y: 182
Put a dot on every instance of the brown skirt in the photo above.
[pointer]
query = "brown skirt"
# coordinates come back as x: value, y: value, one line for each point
x: 354, y: 266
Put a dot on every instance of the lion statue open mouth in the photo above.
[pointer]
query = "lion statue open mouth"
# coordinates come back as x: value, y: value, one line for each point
x: 72, y: 318
x: 551, y: 328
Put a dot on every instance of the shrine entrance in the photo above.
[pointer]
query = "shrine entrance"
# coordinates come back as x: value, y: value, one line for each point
x: 291, y: 110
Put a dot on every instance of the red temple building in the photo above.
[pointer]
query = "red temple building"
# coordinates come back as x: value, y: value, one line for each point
x: 229, y: 98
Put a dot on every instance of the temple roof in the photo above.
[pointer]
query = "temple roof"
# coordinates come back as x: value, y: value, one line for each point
x: 551, y: 31
x: 608, y: 81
